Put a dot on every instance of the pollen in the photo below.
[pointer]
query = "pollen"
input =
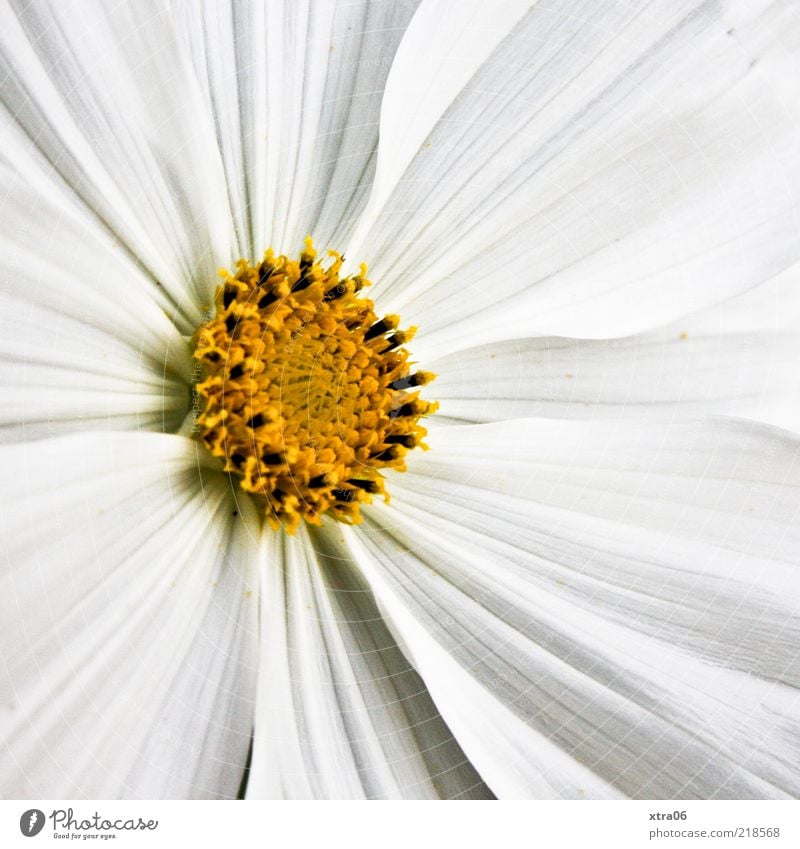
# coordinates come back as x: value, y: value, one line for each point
x: 306, y: 394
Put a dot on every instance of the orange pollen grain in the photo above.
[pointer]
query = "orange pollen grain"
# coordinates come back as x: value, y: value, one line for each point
x: 307, y: 394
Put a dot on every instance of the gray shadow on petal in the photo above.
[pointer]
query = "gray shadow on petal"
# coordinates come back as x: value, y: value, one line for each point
x: 381, y: 659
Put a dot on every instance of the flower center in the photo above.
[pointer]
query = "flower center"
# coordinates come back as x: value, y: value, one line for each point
x: 307, y: 395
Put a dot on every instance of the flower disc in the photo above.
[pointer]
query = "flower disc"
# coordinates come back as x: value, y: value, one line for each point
x: 307, y: 395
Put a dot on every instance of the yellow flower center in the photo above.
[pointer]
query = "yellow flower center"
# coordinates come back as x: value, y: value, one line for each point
x: 307, y: 395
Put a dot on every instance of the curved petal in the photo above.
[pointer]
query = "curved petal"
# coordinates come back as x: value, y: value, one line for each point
x: 82, y: 344
x: 340, y: 712
x: 295, y: 89
x: 621, y: 601
x: 602, y: 173
x: 129, y: 623
x: 740, y: 358
x: 446, y: 44
x: 107, y: 108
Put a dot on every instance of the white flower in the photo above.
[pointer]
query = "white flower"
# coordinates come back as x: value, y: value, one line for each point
x: 589, y: 586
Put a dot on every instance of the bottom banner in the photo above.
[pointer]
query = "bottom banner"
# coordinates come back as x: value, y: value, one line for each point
x: 400, y: 825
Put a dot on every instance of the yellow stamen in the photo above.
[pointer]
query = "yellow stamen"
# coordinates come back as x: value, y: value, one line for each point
x: 306, y: 394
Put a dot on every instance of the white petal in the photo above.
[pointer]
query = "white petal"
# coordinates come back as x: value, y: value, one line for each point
x: 82, y: 344
x: 295, y: 89
x: 129, y: 622
x: 624, y: 600
x: 446, y: 43
x: 601, y: 174
x: 740, y: 357
x: 108, y: 108
x: 340, y: 712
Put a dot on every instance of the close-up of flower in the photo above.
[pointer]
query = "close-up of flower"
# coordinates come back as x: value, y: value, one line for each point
x: 401, y: 399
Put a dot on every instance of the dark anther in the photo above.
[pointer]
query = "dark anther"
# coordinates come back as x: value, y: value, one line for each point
x: 236, y: 371
x: 400, y: 412
x: 271, y: 459
x: 256, y: 421
x: 346, y: 495
x: 264, y: 273
x: 303, y: 283
x: 228, y: 296
x: 377, y: 329
x: 386, y: 455
x: 318, y: 481
x: 266, y: 300
x: 393, y: 342
x: 237, y: 459
x: 213, y: 356
x: 407, y: 381
x: 407, y: 440
x: 367, y: 486
x: 230, y: 323
x: 337, y: 292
